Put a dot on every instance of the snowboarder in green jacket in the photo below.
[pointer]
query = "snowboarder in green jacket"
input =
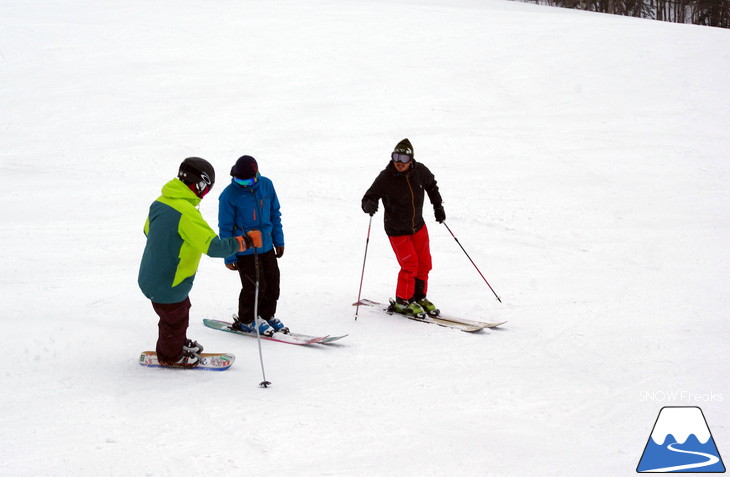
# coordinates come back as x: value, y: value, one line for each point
x: 177, y: 236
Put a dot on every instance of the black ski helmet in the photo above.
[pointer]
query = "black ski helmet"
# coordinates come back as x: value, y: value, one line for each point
x: 199, y: 172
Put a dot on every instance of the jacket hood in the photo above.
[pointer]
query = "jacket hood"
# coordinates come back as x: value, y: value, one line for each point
x: 176, y: 189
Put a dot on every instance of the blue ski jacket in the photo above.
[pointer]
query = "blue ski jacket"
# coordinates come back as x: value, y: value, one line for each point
x: 242, y: 209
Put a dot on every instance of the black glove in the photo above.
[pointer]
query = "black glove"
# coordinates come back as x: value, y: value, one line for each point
x: 370, y: 206
x: 440, y: 214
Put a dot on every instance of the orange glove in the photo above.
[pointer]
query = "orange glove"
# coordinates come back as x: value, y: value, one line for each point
x: 242, y: 245
x: 251, y: 239
x: 255, y: 238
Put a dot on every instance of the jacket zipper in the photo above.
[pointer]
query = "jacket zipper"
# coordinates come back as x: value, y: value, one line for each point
x: 413, y: 204
x: 258, y: 206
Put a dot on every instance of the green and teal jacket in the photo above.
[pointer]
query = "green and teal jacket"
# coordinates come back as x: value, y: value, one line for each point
x: 177, y: 236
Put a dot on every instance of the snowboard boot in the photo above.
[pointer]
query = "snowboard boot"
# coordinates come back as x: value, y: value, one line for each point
x: 428, y: 307
x: 264, y: 328
x: 193, y: 347
x: 188, y: 360
x: 277, y: 325
x: 406, y: 307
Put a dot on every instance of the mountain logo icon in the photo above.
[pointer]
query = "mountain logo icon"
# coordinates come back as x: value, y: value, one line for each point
x: 681, y: 442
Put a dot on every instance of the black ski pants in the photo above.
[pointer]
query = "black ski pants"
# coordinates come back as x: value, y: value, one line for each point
x: 268, y: 278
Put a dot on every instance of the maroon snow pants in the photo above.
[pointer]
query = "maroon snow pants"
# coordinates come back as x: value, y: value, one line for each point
x: 173, y: 326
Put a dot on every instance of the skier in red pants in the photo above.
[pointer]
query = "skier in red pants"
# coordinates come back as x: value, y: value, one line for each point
x: 401, y: 187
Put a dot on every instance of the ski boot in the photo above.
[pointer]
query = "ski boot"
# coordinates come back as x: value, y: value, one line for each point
x: 277, y: 325
x: 264, y: 328
x: 406, y: 307
x: 428, y: 307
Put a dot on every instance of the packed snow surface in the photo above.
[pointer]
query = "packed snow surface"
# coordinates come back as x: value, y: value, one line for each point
x: 584, y: 161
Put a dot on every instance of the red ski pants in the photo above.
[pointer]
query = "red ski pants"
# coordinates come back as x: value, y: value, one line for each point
x: 414, y: 257
x: 173, y: 326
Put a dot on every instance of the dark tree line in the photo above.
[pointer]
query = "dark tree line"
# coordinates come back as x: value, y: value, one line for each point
x: 714, y: 13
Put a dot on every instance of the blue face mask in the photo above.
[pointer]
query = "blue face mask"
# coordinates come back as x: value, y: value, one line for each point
x: 245, y: 182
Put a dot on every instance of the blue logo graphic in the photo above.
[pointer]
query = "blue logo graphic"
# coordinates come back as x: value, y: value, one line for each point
x: 681, y: 442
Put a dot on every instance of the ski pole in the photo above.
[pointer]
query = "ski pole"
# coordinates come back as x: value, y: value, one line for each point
x: 472, y: 262
x: 362, y: 274
x: 264, y: 383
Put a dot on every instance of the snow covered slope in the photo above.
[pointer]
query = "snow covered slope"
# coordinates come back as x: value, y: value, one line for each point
x: 584, y: 162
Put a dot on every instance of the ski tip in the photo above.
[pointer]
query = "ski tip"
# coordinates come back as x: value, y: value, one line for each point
x: 319, y: 339
x: 366, y: 302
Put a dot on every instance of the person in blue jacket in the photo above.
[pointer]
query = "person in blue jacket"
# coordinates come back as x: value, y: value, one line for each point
x: 249, y: 203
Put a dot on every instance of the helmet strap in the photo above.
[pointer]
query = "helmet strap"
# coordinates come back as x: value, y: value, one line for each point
x: 196, y: 189
x: 206, y: 189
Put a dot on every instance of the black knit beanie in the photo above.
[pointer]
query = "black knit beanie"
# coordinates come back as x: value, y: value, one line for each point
x: 245, y: 168
x: 404, y: 147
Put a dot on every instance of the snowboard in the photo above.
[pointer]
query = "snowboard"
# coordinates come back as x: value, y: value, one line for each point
x: 289, y: 338
x: 462, y: 324
x: 208, y: 361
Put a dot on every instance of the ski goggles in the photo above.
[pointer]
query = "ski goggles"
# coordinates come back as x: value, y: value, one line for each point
x: 245, y: 182
x: 400, y: 157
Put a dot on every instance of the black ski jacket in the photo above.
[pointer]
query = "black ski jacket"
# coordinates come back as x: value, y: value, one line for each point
x: 402, y: 195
